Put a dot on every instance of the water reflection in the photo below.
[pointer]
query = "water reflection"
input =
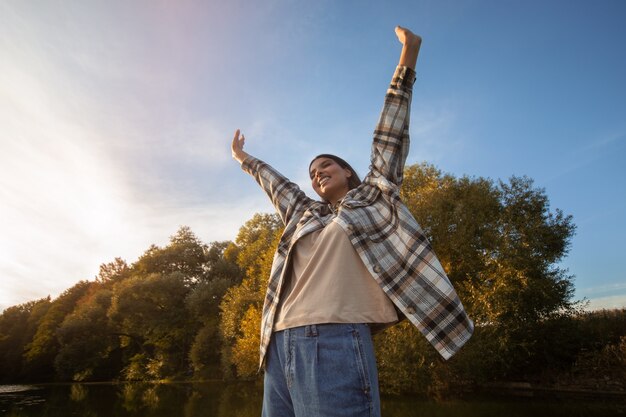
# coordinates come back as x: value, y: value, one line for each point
x: 132, y: 399
x: 78, y: 392
x: 244, y: 400
x: 18, y: 398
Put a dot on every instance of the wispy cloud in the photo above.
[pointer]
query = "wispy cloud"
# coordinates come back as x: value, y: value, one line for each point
x: 603, y: 290
x: 604, y: 296
x: 603, y: 141
x: 97, y: 158
x: 581, y: 157
x: 608, y: 303
x: 434, y: 134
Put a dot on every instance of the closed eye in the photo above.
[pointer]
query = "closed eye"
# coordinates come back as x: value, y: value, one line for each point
x: 322, y: 165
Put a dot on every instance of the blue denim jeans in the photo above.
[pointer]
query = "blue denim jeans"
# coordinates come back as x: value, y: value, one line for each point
x: 321, y: 370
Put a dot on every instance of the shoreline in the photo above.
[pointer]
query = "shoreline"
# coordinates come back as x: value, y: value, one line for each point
x: 527, y: 389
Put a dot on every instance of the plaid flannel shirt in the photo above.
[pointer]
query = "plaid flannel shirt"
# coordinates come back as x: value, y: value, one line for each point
x: 382, y: 230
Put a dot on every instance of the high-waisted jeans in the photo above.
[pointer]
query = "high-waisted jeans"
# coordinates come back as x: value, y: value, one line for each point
x: 321, y: 370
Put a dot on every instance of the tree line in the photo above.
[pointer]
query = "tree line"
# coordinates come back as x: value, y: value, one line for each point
x: 191, y: 310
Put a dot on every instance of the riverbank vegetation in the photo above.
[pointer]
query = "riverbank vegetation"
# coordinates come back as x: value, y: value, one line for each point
x: 191, y: 310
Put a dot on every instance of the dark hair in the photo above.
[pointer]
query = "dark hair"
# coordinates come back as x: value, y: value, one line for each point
x: 353, y: 181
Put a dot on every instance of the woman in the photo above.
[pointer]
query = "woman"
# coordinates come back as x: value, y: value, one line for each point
x: 354, y: 262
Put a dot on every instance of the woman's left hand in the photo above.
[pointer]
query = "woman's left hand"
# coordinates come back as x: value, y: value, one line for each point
x: 237, y: 147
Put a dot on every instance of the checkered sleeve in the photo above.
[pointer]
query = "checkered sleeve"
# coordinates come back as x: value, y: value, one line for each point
x: 285, y: 195
x: 391, y: 135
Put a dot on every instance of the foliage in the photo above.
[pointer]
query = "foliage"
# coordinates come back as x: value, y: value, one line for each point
x: 150, y: 315
x: 114, y: 271
x: 185, y: 254
x: 195, y: 308
x: 500, y: 245
x: 610, y: 361
x: 204, y: 354
x: 203, y: 301
x: 85, y: 338
x: 155, y: 318
x: 246, y: 350
x: 256, y: 243
x: 405, y: 361
x: 17, y: 328
x: 40, y: 352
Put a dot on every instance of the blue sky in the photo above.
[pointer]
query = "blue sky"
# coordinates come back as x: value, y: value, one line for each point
x: 116, y: 117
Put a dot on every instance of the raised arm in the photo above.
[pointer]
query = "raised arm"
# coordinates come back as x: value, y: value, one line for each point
x: 391, y: 135
x: 285, y: 195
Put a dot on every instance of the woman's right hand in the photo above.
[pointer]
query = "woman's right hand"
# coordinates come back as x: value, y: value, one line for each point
x: 411, y: 44
x: 237, y: 147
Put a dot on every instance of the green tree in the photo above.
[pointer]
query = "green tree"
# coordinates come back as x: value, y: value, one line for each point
x: 155, y: 327
x: 221, y: 262
x: 40, y: 353
x: 15, y: 332
x: 86, y: 339
x: 405, y: 360
x: 500, y: 245
x: 185, y: 254
x: 203, y: 302
x: 205, y: 273
x: 114, y: 271
x: 256, y: 243
x: 483, y: 232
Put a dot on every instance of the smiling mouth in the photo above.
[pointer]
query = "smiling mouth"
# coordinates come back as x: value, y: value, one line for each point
x: 323, y: 181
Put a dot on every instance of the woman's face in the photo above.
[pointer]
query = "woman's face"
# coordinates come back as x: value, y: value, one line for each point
x: 329, y: 179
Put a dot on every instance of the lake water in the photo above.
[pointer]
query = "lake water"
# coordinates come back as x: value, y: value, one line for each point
x: 221, y: 399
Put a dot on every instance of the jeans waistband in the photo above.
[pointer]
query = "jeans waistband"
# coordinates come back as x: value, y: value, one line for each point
x: 313, y: 330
